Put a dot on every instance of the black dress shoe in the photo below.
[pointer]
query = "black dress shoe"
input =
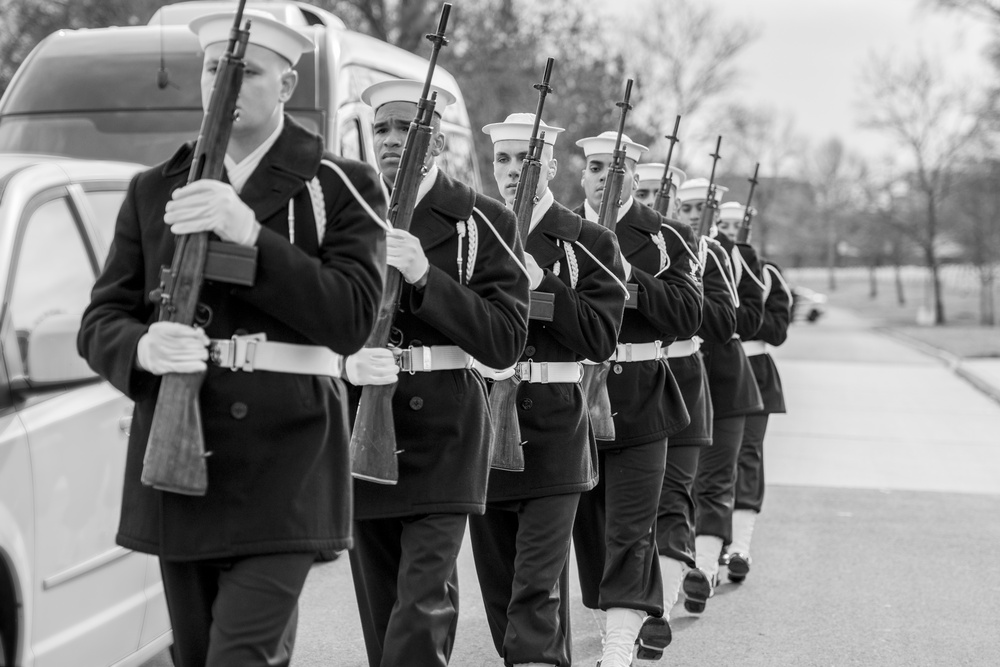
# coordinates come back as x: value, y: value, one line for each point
x: 654, y: 636
x: 739, y: 567
x: 698, y: 589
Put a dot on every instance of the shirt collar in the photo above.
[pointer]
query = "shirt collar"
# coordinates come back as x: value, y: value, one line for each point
x: 594, y: 216
x: 541, y: 208
x: 426, y: 183
x: 240, y: 173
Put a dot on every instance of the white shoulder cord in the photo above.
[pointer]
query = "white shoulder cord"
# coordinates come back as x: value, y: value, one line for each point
x: 739, y: 264
x: 781, y: 279
x: 661, y: 245
x: 460, y: 228
x: 604, y: 268
x: 319, y: 207
x: 694, y: 256
x: 470, y: 229
x: 724, y: 270
x: 357, y: 195
x: 702, y: 254
x: 291, y: 221
x: 574, y: 266
x: 510, y: 252
x: 767, y: 283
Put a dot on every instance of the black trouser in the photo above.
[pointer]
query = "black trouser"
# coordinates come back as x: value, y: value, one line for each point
x: 235, y: 611
x: 615, y: 531
x: 714, y: 487
x: 407, y: 587
x: 522, y: 551
x: 675, y: 518
x: 750, y: 465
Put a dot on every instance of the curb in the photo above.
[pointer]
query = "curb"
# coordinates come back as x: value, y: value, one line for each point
x: 953, y: 362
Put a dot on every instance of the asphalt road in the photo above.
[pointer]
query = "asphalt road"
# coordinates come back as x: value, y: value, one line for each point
x: 876, y: 546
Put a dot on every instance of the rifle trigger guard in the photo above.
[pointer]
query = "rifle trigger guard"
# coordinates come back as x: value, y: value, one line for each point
x: 202, y: 315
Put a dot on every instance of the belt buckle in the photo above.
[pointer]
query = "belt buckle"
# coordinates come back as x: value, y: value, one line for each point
x: 658, y: 348
x: 628, y: 352
x: 405, y: 360
x: 522, y: 371
x: 242, y: 349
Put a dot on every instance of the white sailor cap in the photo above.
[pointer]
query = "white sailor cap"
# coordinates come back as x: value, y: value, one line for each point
x: 404, y: 90
x: 653, y: 171
x: 604, y: 144
x: 732, y: 211
x: 265, y: 31
x: 697, y: 188
x: 518, y: 126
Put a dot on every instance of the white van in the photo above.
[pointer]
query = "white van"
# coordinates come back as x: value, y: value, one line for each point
x: 133, y: 93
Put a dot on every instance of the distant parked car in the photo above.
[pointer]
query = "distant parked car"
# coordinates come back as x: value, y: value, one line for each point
x: 807, y: 305
x: 68, y: 594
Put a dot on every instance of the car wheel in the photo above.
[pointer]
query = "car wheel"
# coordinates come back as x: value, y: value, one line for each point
x: 813, y: 316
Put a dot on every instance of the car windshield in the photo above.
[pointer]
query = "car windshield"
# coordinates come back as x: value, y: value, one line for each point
x: 145, y: 137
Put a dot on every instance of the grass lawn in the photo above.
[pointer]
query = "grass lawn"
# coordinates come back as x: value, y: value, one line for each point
x: 962, y: 336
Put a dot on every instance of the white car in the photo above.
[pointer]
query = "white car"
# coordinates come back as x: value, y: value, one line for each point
x: 68, y: 594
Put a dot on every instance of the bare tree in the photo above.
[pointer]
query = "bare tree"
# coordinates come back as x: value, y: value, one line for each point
x: 936, y: 123
x: 686, y: 54
x: 977, y: 228
x: 761, y: 135
x: 400, y: 22
x: 827, y: 175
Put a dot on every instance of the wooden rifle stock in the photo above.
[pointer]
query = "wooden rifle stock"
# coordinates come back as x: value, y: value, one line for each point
x: 505, y: 446
x: 175, y: 452
x: 373, y: 440
x: 743, y: 235
x: 662, y: 203
x: 708, y: 210
x: 595, y: 376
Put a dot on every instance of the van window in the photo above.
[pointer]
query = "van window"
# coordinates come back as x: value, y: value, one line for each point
x: 350, y: 140
x: 83, y: 95
x: 105, y: 205
x: 458, y: 158
x: 54, y: 273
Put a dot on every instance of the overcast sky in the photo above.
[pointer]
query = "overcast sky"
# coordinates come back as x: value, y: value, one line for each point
x: 810, y: 53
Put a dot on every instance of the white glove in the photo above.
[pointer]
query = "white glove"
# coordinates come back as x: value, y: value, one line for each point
x: 403, y: 251
x: 628, y: 267
x: 169, y: 347
x: 371, y: 365
x: 212, y: 206
x: 535, y: 273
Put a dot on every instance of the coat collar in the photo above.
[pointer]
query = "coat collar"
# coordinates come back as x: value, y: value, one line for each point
x: 448, y: 202
x: 642, y: 217
x: 283, y: 171
x: 558, y: 224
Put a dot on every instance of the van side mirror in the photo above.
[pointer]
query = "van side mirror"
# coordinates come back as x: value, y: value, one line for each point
x: 51, y: 356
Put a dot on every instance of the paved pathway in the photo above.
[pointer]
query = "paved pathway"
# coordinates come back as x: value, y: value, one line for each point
x: 876, y: 546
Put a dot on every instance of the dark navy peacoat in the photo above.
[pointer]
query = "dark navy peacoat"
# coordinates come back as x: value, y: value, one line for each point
x: 279, y: 471
x: 560, y: 452
x: 442, y: 418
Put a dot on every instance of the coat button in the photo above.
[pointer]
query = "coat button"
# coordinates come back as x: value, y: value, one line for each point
x: 416, y: 403
x: 240, y: 332
x: 529, y: 351
x: 526, y: 404
x: 415, y: 343
x: 238, y: 410
x: 618, y: 369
